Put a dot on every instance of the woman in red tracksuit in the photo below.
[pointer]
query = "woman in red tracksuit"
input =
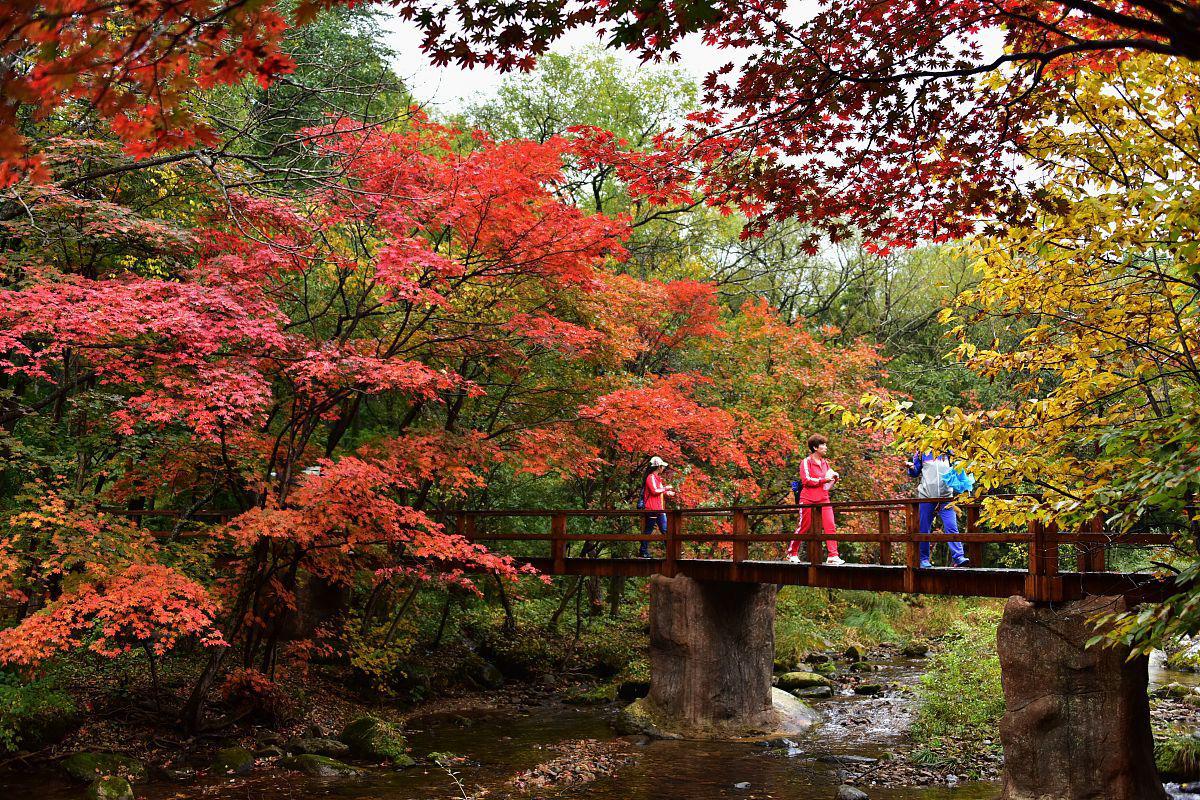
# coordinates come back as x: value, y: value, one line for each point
x: 816, y: 479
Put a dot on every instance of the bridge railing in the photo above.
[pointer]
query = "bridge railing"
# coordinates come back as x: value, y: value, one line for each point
x: 736, y: 531
x: 735, y: 535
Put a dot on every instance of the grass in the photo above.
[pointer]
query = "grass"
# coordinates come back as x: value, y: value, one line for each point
x: 960, y: 699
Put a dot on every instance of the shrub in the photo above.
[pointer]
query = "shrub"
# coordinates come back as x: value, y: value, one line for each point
x: 960, y: 697
x: 33, y: 715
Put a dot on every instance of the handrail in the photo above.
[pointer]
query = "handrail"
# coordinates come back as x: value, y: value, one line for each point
x: 1043, y: 580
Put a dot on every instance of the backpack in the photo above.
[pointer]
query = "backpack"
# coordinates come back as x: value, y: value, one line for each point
x: 933, y: 478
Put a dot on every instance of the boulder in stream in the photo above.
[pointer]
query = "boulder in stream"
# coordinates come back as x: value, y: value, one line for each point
x: 373, y: 739
x: 110, y: 787
x: 87, y: 767
x: 233, y: 761
x: 320, y: 766
x: 847, y: 792
x: 854, y: 653
x: 790, y: 681
x: 317, y: 746
x: 814, y: 692
x: 869, y: 688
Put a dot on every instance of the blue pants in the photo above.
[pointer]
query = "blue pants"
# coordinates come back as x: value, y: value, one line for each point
x: 949, y: 526
x: 653, y: 519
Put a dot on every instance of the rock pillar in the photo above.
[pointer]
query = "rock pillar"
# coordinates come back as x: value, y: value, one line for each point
x: 712, y: 647
x: 1077, y: 720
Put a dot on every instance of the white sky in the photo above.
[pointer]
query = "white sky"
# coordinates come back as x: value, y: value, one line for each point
x: 449, y: 89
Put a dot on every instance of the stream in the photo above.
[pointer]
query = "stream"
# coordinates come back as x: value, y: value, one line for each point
x: 491, y: 747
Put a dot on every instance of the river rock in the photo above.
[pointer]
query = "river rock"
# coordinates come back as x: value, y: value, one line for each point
x: 863, y: 666
x: 827, y: 668
x: 915, y: 650
x: 373, y: 739
x: 790, y: 681
x: 869, y: 688
x: 854, y: 653
x: 233, y: 761
x: 1176, y: 690
x: 484, y: 674
x: 1077, y: 719
x: 847, y: 792
x: 110, y: 787
x: 847, y: 760
x: 317, y: 746
x: 87, y: 767
x: 320, y: 766
x: 814, y: 692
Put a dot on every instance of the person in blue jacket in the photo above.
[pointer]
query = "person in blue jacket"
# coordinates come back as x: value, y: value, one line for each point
x: 932, y: 471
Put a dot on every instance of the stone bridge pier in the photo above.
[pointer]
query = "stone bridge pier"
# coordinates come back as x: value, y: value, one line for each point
x: 712, y: 646
x: 1077, y: 719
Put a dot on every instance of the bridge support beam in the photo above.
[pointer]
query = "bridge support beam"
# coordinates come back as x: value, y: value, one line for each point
x: 712, y: 646
x: 1077, y: 719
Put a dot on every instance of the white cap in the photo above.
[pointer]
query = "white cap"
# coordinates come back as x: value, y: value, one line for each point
x: 657, y: 462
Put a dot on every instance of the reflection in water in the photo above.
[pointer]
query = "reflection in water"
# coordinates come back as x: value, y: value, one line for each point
x: 500, y: 745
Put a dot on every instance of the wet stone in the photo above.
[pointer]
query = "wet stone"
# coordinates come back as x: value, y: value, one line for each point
x: 846, y: 792
x: 233, y: 761
x: 317, y: 746
x: 814, y: 692
x: 110, y: 787
x: 869, y: 688
x: 87, y: 767
x: 320, y: 766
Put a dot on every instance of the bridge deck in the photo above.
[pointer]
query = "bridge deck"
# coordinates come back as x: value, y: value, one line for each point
x: 715, y: 544
x: 966, y: 582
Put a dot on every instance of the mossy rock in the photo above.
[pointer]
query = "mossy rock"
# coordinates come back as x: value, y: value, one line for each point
x: 869, y: 688
x: 373, y: 739
x: 790, y: 681
x: 87, y: 767
x: 814, y: 693
x: 863, y: 666
x: 1178, y: 756
x: 1175, y: 690
x: 320, y: 766
x: 854, y: 653
x: 915, y: 650
x: 110, y: 787
x: 484, y: 674
x: 317, y: 746
x: 233, y: 761
x: 1185, y: 658
x: 826, y: 668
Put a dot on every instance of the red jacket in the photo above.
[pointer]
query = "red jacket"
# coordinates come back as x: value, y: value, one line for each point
x: 652, y: 493
x: 814, y: 486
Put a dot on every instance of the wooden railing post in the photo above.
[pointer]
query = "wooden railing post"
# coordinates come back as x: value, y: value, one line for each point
x: 741, y: 527
x: 1090, y: 556
x: 974, y: 549
x: 1043, y: 584
x: 816, y: 528
x: 558, y: 543
x: 885, y: 529
x: 674, y: 523
x: 912, y: 553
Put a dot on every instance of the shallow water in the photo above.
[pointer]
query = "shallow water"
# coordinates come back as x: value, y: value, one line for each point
x: 498, y: 746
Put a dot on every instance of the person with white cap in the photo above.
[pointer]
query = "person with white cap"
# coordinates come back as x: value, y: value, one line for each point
x: 653, y: 492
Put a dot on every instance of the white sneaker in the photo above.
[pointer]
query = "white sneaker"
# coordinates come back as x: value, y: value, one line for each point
x: 794, y: 559
x: 834, y: 561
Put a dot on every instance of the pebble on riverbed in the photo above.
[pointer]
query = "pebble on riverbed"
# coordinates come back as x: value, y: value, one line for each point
x: 581, y: 761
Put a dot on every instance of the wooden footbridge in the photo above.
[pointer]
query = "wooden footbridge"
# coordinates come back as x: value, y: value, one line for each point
x: 737, y: 544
